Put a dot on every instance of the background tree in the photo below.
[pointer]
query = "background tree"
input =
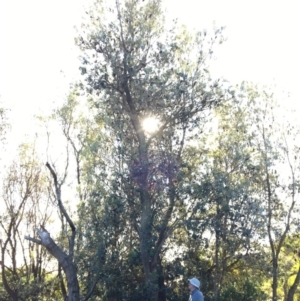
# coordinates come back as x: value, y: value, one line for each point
x: 276, y: 151
x: 227, y: 187
x: 25, y: 202
x: 78, y: 139
x: 220, y: 179
x: 86, y: 140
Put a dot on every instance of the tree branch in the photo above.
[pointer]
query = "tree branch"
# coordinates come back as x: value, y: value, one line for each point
x: 36, y: 241
x: 58, y: 196
x: 89, y: 294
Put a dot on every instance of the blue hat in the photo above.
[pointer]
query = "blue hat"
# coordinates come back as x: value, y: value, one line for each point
x: 195, y: 282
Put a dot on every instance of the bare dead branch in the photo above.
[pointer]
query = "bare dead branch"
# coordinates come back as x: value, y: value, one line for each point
x: 36, y: 241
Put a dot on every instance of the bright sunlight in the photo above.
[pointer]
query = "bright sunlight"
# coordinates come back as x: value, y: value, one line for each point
x: 151, y: 124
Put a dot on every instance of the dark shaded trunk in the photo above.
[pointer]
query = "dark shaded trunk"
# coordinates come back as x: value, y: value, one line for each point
x: 275, y: 280
x: 217, y: 259
x: 72, y: 282
x: 11, y: 292
x: 161, y: 283
x: 293, y: 288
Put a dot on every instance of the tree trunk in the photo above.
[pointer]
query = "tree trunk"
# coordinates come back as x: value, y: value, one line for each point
x: 145, y: 243
x: 72, y: 282
x: 217, y: 271
x: 161, y: 283
x: 11, y: 292
x: 293, y: 288
x: 217, y: 263
x: 64, y: 260
x: 151, y: 281
x: 275, y: 280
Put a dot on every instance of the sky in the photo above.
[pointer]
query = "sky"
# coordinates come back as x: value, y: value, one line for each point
x: 38, y: 58
x: 262, y: 37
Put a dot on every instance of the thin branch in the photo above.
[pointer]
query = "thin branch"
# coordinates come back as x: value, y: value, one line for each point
x: 293, y: 199
x: 89, y: 294
x: 62, y: 284
x: 63, y: 210
x: 58, y: 196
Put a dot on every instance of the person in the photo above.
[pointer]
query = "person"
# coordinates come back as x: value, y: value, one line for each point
x: 195, y: 293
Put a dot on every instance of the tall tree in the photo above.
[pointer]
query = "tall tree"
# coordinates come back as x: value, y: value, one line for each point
x: 136, y: 69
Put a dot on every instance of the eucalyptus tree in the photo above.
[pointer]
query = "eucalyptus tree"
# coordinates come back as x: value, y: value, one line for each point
x: 137, y: 69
